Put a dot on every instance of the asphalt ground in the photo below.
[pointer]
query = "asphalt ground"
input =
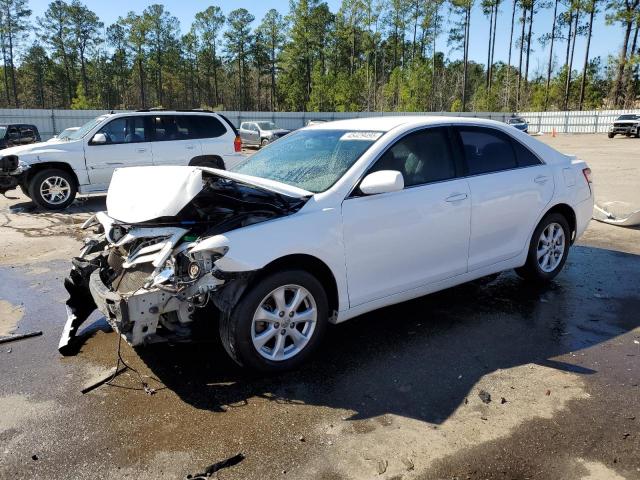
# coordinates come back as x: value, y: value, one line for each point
x: 400, y: 393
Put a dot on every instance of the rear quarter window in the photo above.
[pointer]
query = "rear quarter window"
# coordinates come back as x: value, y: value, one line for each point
x: 524, y: 156
x: 205, y: 126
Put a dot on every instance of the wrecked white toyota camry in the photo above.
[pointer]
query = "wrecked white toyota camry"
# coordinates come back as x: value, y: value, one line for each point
x: 327, y: 223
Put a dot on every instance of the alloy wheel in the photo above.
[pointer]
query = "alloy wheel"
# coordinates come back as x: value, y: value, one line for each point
x: 55, y: 190
x: 284, y: 322
x: 551, y: 246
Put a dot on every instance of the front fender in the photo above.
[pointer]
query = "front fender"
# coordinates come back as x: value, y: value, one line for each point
x: 317, y: 233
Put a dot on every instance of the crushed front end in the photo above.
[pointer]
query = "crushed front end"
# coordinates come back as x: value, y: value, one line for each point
x: 12, y: 173
x: 149, y: 278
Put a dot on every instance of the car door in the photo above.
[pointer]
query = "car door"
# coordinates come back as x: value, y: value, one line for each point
x: 398, y: 241
x: 175, y: 141
x: 126, y: 146
x: 245, y: 133
x: 510, y: 188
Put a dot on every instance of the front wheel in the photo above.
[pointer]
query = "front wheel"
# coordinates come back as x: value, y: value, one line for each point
x: 264, y: 142
x: 278, y: 323
x: 53, y: 189
x: 610, y: 135
x: 548, y: 249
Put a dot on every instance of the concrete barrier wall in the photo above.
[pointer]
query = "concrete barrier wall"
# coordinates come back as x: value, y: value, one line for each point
x: 51, y: 122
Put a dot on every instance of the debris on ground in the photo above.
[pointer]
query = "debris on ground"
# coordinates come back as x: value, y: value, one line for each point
x: 407, y: 463
x: 503, y: 400
x: 603, y: 214
x: 107, y: 377
x: 547, y: 393
x: 22, y: 336
x: 484, y: 396
x: 34, y: 457
x: 213, y: 468
x: 382, y: 466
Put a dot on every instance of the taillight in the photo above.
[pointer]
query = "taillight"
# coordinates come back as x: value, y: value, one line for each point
x: 587, y: 175
x: 237, y: 144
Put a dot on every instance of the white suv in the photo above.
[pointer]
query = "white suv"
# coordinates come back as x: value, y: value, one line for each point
x: 53, y: 173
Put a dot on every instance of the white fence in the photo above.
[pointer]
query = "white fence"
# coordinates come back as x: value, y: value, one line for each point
x: 51, y: 122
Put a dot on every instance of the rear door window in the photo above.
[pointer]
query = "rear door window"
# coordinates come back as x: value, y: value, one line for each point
x: 421, y: 157
x: 486, y: 150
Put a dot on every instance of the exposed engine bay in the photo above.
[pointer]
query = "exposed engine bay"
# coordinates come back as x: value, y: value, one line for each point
x: 149, y: 278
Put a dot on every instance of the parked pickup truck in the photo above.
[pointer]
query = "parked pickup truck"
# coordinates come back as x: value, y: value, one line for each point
x: 52, y: 173
x: 625, y: 125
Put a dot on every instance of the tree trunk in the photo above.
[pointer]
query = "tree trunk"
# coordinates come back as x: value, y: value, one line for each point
x: 433, y: 58
x: 567, y: 87
x: 489, y: 49
x: 14, y: 84
x: 467, y: 26
x: 524, y: 20
x: 493, y: 42
x: 513, y: 20
x: 629, y: 96
x: 617, y: 92
x: 586, y: 54
x: 141, y: 77
x: 526, y: 69
x: 550, y: 65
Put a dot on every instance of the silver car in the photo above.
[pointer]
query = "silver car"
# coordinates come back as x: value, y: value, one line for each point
x: 260, y: 133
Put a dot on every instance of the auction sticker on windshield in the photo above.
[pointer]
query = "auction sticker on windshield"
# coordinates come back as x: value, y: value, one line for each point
x: 369, y: 136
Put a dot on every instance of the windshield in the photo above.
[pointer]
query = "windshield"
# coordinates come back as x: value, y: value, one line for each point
x: 86, y: 128
x: 516, y: 120
x: 309, y: 159
x: 628, y: 117
x: 266, y: 125
x: 66, y: 133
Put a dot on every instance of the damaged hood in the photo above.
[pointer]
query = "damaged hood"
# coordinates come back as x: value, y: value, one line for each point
x: 140, y: 194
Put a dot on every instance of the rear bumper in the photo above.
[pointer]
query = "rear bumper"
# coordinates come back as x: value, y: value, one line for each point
x: 584, y: 212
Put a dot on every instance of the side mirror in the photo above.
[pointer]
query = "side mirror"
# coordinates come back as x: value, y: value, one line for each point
x: 384, y: 181
x: 99, y: 139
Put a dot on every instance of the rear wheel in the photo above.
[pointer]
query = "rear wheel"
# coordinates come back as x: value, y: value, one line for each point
x: 264, y: 142
x: 278, y: 323
x: 548, y: 249
x: 610, y: 135
x: 53, y: 189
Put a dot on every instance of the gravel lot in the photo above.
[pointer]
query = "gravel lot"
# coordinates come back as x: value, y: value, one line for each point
x: 394, y: 394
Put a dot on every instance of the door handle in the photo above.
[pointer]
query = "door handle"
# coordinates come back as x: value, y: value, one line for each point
x: 456, y: 197
x: 115, y: 163
x: 541, y: 179
x: 190, y: 147
x: 142, y: 150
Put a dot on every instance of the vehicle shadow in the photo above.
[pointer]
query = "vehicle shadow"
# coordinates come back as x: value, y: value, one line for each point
x: 90, y: 204
x: 421, y: 359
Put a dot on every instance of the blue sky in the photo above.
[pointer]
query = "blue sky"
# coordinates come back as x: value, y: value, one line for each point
x: 606, y: 40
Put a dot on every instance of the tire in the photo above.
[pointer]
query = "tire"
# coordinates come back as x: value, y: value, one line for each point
x: 610, y: 135
x: 534, y: 269
x: 25, y: 191
x: 264, y: 142
x: 242, y: 327
x: 53, y: 177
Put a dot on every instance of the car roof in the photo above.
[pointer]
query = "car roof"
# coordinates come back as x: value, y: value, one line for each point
x: 385, y: 124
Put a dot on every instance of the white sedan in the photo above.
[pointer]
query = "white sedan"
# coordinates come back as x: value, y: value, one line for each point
x: 330, y: 222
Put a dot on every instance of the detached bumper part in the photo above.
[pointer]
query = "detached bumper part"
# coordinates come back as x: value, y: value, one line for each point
x: 79, y: 305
